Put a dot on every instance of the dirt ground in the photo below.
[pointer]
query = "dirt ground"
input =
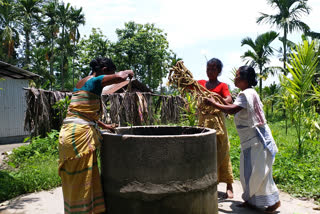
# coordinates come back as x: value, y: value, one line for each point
x: 51, y: 202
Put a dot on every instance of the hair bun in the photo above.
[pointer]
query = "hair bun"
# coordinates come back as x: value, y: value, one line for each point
x: 252, y: 77
x: 93, y: 63
x: 255, y: 82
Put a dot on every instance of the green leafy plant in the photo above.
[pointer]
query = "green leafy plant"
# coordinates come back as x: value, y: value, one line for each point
x: 37, y: 147
x: 32, y: 167
x: 287, y: 102
x: 190, y: 110
x: 311, y: 119
x: 62, y: 106
x: 302, y: 67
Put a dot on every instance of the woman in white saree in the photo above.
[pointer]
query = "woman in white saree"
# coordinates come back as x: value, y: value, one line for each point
x: 258, y: 147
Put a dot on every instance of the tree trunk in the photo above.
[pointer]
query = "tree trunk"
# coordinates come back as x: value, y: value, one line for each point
x: 27, y: 48
x: 51, y: 61
x: 285, y: 49
x: 62, y: 59
x: 260, y: 83
x: 149, y: 76
x: 74, y: 44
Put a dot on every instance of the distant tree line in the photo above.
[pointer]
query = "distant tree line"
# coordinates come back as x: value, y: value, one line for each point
x: 43, y: 37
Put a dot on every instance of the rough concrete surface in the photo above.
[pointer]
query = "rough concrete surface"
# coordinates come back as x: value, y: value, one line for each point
x: 51, y: 202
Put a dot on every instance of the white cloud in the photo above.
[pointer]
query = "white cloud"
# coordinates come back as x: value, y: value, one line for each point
x: 195, y: 29
x: 191, y: 21
x: 313, y: 18
x: 186, y: 22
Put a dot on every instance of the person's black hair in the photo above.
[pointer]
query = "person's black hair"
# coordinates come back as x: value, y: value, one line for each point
x: 248, y: 73
x: 101, y: 62
x: 216, y: 62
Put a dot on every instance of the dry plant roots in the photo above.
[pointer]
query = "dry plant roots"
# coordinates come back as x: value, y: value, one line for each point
x: 182, y: 79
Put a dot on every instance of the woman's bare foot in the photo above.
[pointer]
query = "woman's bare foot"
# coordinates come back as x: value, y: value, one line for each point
x: 229, y: 192
x: 273, y: 208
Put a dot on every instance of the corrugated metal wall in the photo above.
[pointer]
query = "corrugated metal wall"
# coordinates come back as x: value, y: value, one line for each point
x: 12, y: 107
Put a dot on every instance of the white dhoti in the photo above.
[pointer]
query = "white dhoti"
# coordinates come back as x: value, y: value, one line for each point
x: 256, y: 162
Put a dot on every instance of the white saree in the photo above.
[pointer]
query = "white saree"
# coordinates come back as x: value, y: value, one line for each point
x: 258, y: 150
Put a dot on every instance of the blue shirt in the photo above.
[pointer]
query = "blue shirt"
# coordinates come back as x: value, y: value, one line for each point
x: 93, y: 85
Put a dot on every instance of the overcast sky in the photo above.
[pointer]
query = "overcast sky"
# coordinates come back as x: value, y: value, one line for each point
x: 196, y: 30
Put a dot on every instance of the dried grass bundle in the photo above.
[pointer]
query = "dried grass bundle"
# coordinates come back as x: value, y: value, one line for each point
x: 182, y: 79
x: 40, y: 116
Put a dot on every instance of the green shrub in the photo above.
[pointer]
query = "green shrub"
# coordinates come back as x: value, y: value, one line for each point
x: 34, y: 168
x: 37, y: 148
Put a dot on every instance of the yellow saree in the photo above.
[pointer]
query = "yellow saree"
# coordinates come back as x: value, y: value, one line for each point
x: 216, y: 121
x: 78, y: 140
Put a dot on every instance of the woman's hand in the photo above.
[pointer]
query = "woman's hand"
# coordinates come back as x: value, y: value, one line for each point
x: 126, y: 73
x: 110, y: 127
x: 210, y: 101
x: 117, y: 77
x: 229, y: 108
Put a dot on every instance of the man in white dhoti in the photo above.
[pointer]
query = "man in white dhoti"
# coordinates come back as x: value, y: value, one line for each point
x: 258, y: 148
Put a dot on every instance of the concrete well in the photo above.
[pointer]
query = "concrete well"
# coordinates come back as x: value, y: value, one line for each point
x: 160, y: 170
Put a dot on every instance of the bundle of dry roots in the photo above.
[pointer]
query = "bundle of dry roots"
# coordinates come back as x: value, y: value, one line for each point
x: 181, y: 78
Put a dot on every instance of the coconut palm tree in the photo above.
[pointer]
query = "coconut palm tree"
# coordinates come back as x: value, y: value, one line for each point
x: 50, y: 32
x: 29, y: 11
x: 287, y: 18
x: 9, y: 35
x: 259, y: 56
x: 63, y: 13
x: 77, y: 19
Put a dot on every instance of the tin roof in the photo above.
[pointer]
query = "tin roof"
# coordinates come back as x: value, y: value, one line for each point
x: 7, y: 70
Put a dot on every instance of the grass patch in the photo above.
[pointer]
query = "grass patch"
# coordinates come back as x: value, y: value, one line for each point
x: 33, y: 175
x: 31, y: 168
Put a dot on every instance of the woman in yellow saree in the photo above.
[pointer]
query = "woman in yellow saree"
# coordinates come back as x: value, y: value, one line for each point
x: 79, y: 138
x: 214, y: 68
